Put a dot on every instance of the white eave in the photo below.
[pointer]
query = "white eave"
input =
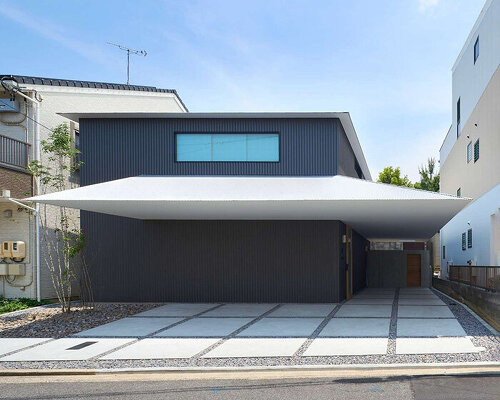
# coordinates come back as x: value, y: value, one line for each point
x: 344, y: 117
x: 375, y: 210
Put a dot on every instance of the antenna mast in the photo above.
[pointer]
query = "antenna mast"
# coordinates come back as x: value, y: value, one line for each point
x: 129, y: 50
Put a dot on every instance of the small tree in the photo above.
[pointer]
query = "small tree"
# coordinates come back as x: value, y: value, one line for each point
x: 62, y: 237
x: 392, y: 176
x: 429, y: 179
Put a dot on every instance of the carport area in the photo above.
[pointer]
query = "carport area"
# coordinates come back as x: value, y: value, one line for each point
x: 379, y: 323
x: 249, y: 239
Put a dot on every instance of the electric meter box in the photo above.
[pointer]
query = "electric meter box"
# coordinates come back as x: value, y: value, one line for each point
x: 4, y: 269
x: 8, y: 105
x: 17, y: 269
x: 12, y: 269
x: 15, y: 250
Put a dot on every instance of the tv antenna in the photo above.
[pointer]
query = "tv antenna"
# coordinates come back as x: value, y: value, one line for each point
x: 129, y: 51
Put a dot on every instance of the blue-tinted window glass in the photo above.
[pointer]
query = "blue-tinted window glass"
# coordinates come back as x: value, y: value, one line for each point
x: 194, y: 147
x: 263, y: 147
x: 227, y: 147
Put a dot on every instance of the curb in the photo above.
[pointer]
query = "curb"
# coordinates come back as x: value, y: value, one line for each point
x: 365, y: 370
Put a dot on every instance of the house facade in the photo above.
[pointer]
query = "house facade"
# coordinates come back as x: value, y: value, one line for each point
x: 241, y: 207
x: 470, y: 165
x: 18, y: 146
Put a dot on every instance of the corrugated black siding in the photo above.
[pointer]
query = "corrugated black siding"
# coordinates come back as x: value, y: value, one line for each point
x: 254, y: 261
x: 219, y: 261
x: 119, y: 148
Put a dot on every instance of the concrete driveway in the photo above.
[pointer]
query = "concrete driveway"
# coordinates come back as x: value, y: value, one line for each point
x: 374, y: 322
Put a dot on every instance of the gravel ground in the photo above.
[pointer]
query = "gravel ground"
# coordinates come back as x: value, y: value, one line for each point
x: 50, y: 323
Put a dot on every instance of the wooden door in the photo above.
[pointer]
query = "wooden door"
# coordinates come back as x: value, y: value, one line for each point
x: 413, y: 270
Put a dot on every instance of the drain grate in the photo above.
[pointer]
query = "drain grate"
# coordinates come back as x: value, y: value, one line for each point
x: 81, y: 345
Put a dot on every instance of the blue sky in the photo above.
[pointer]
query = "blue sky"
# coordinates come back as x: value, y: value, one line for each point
x: 387, y: 62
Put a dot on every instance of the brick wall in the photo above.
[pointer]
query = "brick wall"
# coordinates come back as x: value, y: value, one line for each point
x: 19, y: 183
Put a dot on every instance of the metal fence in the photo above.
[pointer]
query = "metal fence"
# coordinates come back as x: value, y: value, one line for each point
x: 486, y: 277
x: 14, y: 152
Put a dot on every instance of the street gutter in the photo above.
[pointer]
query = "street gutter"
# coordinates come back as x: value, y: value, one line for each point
x: 361, y: 371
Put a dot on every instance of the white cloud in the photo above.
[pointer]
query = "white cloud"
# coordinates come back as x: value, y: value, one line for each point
x: 56, y: 33
x: 424, y: 5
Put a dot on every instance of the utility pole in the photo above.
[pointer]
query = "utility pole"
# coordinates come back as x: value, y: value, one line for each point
x: 129, y: 50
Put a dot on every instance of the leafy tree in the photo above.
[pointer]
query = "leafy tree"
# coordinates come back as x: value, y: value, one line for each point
x: 429, y: 179
x: 62, y: 237
x: 392, y: 176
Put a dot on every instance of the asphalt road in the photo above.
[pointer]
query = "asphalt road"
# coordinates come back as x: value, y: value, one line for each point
x: 418, y: 388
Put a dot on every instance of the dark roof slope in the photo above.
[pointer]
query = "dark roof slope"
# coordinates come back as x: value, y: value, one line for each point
x: 88, y: 84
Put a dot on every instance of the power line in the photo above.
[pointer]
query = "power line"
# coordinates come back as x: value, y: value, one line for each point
x: 27, y: 116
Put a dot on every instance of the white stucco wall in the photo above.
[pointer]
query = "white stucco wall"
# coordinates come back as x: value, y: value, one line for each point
x: 478, y: 217
x: 470, y: 79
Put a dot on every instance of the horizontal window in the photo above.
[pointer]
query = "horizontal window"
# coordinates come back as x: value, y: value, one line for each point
x: 260, y: 147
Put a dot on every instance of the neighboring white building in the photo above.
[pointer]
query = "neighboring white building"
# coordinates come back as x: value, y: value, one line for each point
x: 469, y: 156
x: 18, y: 147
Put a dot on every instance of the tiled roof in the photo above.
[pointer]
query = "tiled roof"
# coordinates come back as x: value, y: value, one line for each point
x: 88, y: 84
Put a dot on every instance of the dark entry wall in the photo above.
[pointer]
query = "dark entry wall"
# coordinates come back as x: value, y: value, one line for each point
x: 219, y: 261
x: 387, y: 268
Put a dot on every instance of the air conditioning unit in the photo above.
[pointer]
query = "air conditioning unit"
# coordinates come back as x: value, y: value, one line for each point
x: 8, y: 105
x: 15, y: 250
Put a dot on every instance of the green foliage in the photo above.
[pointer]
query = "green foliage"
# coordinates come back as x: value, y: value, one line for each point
x: 429, y: 179
x: 61, y: 154
x: 392, y: 176
x: 9, y: 305
x: 65, y: 241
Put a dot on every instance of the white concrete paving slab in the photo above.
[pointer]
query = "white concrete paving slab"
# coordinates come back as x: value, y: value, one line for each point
x: 424, y: 312
x: 205, y: 327
x: 419, y: 296
x: 364, y: 310
x: 347, y: 346
x: 443, y: 345
x: 427, y: 327
x: 130, y: 327
x: 357, y: 327
x: 370, y: 300
x: 256, y: 347
x: 240, y: 310
x: 177, y: 310
x: 303, y: 310
x: 374, y: 296
x: 162, y: 348
x: 284, y: 327
x: 420, y: 302
x: 13, y: 344
x: 67, y: 349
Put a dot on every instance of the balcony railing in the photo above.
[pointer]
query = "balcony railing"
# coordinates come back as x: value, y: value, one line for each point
x: 14, y: 152
x: 486, y: 277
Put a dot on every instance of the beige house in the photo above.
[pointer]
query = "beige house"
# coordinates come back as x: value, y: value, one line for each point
x: 18, y: 146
